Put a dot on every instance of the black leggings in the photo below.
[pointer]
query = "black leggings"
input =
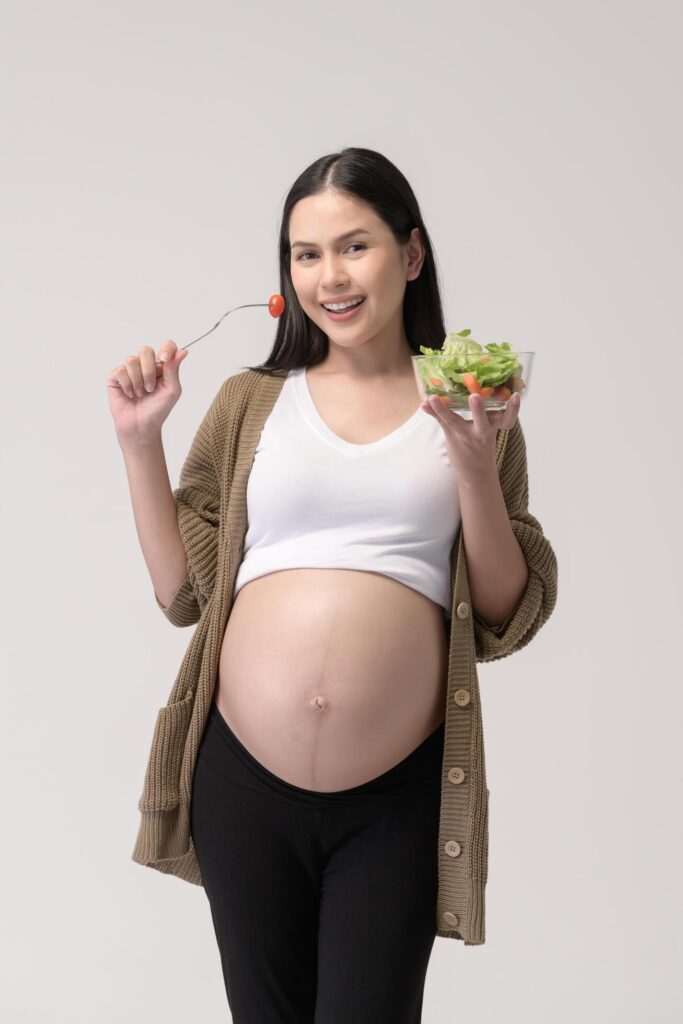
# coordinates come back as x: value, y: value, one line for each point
x: 323, y: 904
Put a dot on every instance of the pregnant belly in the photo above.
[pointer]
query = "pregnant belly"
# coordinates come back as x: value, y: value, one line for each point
x: 330, y: 677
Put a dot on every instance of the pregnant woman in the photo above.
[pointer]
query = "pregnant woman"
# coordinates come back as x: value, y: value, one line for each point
x: 348, y: 553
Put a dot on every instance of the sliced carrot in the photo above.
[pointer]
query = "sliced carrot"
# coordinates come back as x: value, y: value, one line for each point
x: 471, y: 383
x: 435, y: 382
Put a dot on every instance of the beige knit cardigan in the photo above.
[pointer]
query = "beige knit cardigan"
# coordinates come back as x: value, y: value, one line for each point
x: 212, y: 516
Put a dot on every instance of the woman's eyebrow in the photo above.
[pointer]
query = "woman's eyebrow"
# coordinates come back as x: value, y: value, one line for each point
x: 347, y: 234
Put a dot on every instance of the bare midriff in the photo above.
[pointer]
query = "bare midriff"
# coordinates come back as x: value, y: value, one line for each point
x: 330, y: 677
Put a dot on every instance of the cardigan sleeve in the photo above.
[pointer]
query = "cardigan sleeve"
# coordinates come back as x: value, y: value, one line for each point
x: 540, y: 594
x: 197, y: 500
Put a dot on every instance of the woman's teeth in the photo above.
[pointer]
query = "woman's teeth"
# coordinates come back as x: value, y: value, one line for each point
x: 338, y: 307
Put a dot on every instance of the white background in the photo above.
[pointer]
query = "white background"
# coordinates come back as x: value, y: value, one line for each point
x: 147, y: 149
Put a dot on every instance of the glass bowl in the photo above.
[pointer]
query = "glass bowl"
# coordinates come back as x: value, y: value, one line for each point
x: 455, y: 378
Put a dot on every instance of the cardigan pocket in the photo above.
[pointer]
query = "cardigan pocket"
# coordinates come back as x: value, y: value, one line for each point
x: 161, y: 790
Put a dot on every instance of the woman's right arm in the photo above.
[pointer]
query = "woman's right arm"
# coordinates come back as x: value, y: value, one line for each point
x: 140, y: 399
x: 156, y: 519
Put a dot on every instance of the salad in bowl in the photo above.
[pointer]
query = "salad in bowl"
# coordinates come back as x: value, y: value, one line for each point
x: 463, y: 367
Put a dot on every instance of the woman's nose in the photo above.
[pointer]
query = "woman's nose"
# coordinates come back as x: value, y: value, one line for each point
x: 332, y: 274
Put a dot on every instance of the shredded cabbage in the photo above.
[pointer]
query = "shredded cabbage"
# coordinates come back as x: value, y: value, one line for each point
x: 461, y: 354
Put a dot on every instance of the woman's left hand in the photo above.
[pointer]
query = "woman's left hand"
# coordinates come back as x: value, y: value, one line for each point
x: 471, y: 444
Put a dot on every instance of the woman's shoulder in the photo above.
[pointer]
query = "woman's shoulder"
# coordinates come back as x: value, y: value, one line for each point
x: 234, y: 395
x: 247, y: 381
x: 233, y: 387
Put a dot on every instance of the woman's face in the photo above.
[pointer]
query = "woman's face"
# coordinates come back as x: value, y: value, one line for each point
x: 368, y: 262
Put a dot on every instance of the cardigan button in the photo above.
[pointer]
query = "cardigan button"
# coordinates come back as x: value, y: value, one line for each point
x: 452, y: 848
x: 461, y: 697
x: 456, y: 774
x: 450, y: 918
x: 463, y: 610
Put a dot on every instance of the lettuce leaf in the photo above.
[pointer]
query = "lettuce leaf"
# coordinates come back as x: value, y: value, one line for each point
x: 461, y: 354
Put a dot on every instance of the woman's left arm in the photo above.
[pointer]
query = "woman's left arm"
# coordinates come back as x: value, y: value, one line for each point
x: 511, y: 566
x: 497, y: 570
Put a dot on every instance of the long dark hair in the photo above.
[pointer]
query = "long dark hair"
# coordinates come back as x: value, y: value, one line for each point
x: 365, y: 175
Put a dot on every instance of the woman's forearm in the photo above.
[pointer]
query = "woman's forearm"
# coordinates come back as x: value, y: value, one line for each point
x: 156, y: 517
x: 496, y: 567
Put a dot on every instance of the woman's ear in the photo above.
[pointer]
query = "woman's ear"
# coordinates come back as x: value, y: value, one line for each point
x: 415, y: 254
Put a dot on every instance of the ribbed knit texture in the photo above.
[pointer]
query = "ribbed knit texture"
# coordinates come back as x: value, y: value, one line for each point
x: 211, y: 502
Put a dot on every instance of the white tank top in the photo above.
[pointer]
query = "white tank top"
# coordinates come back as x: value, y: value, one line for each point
x: 317, y: 501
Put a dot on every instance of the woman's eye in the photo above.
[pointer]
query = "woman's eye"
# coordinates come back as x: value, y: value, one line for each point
x: 354, y: 245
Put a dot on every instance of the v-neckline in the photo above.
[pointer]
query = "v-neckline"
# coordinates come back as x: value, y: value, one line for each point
x: 314, y: 418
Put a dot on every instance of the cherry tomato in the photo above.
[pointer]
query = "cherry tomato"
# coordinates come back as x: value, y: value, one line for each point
x: 276, y: 305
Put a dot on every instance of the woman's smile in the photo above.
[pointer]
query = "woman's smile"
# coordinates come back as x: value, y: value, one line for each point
x: 344, y: 315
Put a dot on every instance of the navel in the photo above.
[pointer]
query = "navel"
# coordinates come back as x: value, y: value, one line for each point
x: 319, y: 702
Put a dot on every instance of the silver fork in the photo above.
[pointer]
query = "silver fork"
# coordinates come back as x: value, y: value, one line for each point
x: 248, y: 305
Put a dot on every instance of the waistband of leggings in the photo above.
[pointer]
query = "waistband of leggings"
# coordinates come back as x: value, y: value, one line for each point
x: 429, y: 749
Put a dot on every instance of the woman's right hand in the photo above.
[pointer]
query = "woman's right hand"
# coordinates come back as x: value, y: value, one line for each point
x: 139, y: 417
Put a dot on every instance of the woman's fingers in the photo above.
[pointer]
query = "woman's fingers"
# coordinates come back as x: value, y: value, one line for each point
x: 167, y: 350
x: 137, y: 374
x: 148, y: 367
x: 121, y: 377
x: 509, y: 414
x: 482, y: 419
x: 132, y: 369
